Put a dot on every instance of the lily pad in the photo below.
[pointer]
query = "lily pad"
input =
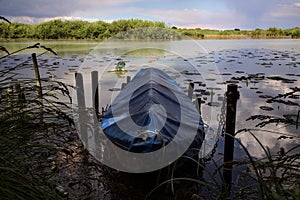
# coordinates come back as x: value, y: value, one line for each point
x: 266, y: 108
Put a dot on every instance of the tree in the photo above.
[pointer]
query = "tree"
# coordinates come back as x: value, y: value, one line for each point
x: 272, y: 32
x: 18, y: 30
x: 4, y: 29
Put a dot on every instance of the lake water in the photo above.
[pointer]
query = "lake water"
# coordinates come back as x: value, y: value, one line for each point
x: 261, y: 68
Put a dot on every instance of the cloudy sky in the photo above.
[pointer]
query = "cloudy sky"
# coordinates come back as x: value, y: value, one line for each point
x: 213, y: 14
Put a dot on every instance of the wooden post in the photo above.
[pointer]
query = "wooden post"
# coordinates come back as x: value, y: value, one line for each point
x: 198, y: 104
x: 297, y: 120
x: 82, y: 113
x: 20, y: 96
x: 123, y: 85
x: 232, y: 95
x: 37, y: 75
x: 191, y: 90
x: 10, y: 97
x: 128, y: 79
x: 80, y: 90
x: 212, y: 96
x: 95, y: 92
x: 38, y: 83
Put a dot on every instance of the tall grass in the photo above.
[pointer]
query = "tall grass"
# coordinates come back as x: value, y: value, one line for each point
x: 277, y: 174
x: 30, y: 142
x: 29, y: 134
x: 274, y: 176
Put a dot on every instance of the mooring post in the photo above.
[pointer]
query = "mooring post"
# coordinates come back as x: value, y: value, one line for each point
x: 10, y: 95
x: 198, y: 104
x: 95, y: 92
x: 80, y: 90
x: 38, y: 83
x: 191, y: 90
x: 82, y: 113
x: 123, y: 85
x: 20, y: 96
x: 128, y: 79
x: 37, y: 75
x: 297, y: 120
x: 232, y: 96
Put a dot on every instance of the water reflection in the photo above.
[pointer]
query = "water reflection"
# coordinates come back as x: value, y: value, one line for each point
x: 265, y: 70
x: 262, y: 69
x: 246, y: 66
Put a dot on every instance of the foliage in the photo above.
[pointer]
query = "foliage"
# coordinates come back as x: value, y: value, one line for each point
x: 274, y: 175
x: 29, y: 126
x: 58, y: 29
x: 287, y: 119
x: 153, y: 33
x: 237, y: 33
x: 78, y: 29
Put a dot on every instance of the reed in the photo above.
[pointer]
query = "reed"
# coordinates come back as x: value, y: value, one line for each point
x: 274, y: 176
x: 26, y: 141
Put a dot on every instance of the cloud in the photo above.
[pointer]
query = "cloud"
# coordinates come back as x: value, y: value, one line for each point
x: 192, y: 17
x: 54, y: 8
x: 34, y: 20
x: 257, y: 13
x: 286, y: 10
x: 284, y: 15
x: 37, y: 8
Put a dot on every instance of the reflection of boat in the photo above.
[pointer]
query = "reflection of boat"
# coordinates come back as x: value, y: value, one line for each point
x: 151, y: 112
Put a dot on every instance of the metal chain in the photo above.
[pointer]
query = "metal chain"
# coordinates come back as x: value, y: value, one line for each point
x: 221, y: 129
x: 222, y: 117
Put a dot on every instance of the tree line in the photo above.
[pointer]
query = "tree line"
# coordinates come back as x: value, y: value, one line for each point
x: 73, y: 29
x: 78, y: 29
x: 271, y: 32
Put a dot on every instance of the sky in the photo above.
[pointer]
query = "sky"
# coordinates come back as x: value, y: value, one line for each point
x: 210, y: 14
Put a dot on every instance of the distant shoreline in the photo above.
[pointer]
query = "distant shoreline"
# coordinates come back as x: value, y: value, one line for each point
x: 131, y: 29
x: 208, y: 37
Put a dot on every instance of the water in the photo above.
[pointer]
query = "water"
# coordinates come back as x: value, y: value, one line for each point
x: 262, y: 69
x: 216, y: 60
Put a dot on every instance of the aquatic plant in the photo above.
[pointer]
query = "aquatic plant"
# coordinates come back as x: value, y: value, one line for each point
x: 30, y: 130
x: 274, y: 176
x: 288, y: 98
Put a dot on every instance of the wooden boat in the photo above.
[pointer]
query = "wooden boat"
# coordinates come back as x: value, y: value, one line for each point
x: 151, y: 112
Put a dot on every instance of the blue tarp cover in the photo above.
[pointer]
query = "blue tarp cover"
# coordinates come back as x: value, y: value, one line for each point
x: 147, y: 114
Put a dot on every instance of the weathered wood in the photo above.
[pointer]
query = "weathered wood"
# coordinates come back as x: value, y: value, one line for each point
x: 297, y: 120
x: 232, y: 96
x: 10, y: 96
x: 198, y: 104
x: 95, y: 92
x: 38, y: 84
x: 123, y: 85
x: 128, y: 79
x: 80, y: 90
x: 82, y: 113
x: 191, y: 90
x: 37, y: 75
x: 20, y: 96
